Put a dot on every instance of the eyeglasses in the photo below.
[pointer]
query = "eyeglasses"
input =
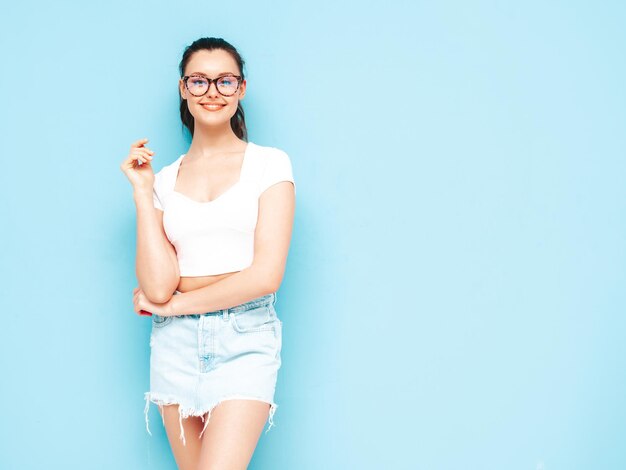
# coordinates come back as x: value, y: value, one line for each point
x: 199, y: 85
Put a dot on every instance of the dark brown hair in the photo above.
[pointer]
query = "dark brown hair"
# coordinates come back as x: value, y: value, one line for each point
x: 238, y: 121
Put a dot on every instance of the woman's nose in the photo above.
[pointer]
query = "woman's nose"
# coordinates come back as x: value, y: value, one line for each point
x: 212, y: 93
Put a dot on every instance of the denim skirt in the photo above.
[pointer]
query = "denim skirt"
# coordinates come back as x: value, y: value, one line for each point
x: 200, y: 360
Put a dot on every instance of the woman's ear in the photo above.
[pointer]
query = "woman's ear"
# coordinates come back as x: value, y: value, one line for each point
x: 181, y: 88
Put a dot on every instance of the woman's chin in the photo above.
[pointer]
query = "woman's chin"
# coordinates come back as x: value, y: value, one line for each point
x: 212, y: 122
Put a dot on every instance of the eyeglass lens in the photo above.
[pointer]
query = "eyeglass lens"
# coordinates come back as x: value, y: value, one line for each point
x: 198, y: 85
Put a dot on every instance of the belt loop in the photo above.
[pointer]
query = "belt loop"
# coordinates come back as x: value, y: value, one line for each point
x: 225, y: 314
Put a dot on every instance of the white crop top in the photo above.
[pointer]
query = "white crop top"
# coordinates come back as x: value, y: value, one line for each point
x: 217, y: 237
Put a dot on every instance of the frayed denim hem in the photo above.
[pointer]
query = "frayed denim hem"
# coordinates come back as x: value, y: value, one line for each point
x: 186, y: 411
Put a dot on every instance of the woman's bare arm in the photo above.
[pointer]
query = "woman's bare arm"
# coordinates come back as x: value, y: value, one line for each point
x: 156, y: 263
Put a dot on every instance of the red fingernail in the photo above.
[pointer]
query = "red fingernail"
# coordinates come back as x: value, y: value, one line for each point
x: 144, y: 312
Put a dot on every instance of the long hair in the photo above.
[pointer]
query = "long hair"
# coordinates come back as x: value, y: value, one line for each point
x: 238, y: 121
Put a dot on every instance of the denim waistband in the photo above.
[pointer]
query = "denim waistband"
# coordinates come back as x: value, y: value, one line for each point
x: 254, y: 303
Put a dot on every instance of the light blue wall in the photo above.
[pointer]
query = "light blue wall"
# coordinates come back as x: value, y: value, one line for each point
x: 454, y: 297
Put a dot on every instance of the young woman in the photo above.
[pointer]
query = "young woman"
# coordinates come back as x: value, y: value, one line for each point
x: 213, y: 234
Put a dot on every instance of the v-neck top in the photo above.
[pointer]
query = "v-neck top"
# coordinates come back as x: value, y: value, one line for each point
x: 217, y: 236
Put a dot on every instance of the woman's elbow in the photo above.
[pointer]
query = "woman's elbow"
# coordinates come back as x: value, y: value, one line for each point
x: 272, y: 279
x: 157, y: 296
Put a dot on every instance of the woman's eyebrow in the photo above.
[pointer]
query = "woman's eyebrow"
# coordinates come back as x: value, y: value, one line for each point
x: 219, y: 75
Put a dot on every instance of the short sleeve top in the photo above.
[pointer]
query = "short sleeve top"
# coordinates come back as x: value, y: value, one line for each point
x: 217, y: 237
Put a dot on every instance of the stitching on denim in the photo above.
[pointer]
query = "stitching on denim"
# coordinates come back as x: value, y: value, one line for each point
x: 267, y: 326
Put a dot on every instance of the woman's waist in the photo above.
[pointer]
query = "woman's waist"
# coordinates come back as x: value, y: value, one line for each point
x: 189, y: 283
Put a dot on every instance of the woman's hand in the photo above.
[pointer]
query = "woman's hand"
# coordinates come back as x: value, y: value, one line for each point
x: 140, y: 175
x: 141, y: 303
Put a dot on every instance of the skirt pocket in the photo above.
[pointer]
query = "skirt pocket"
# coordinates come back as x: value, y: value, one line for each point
x: 255, y: 319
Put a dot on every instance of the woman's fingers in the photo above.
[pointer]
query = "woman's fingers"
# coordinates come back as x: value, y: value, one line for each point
x: 137, y: 149
x: 142, y: 151
x: 139, y: 153
x: 145, y: 150
x: 136, y: 306
x: 139, y: 143
x: 142, y: 154
x: 137, y: 165
x: 137, y: 156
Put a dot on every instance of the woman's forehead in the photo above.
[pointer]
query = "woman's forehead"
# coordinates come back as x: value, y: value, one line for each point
x: 211, y: 63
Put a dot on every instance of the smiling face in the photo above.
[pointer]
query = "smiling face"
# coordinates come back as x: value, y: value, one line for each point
x: 212, y: 64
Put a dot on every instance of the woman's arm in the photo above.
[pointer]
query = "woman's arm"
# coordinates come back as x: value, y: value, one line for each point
x: 272, y: 237
x: 156, y: 264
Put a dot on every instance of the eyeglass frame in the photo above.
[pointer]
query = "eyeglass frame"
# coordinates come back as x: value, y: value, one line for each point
x: 211, y: 80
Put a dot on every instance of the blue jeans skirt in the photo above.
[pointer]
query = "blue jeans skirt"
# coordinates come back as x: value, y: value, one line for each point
x: 198, y: 361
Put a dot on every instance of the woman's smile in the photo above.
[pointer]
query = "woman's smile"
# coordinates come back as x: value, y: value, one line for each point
x: 213, y: 107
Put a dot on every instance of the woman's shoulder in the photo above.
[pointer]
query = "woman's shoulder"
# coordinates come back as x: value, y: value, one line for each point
x: 267, y: 159
x: 267, y: 149
x: 167, y: 171
x: 268, y: 153
x: 272, y: 165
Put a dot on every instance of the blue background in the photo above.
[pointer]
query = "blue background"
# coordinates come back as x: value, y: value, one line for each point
x: 454, y: 297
